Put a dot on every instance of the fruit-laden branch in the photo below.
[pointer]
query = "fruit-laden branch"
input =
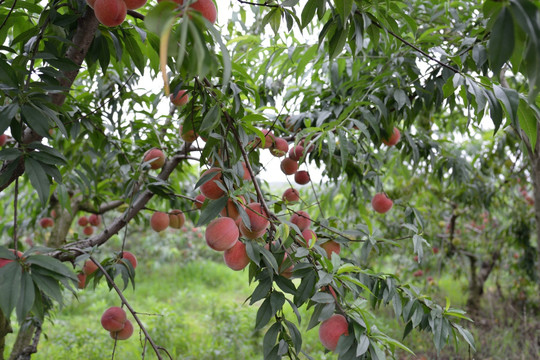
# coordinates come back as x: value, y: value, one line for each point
x: 125, y: 302
x: 84, y: 35
x: 121, y: 221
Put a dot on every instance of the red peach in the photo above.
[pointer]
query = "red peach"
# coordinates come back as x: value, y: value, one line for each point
x: 181, y: 98
x: 159, y: 221
x: 257, y: 218
x: 94, y: 220
x: 83, y: 221
x: 309, y: 237
x: 129, y: 257
x: 125, y: 333
x: 302, y: 177
x: 3, y: 139
x: 156, y: 156
x: 200, y: 201
x: 331, y: 330
x: 176, y: 219
x: 279, y: 147
x: 393, y: 139
x: 4, y: 262
x: 82, y: 280
x: 296, y: 152
x: 221, y: 234
x: 110, y: 12
x: 210, y: 189
x: 113, y: 319
x: 89, y: 267
x: 46, y: 222
x: 236, y: 257
x: 134, y: 4
x: 247, y: 233
x: 231, y: 210
x: 381, y: 203
x: 289, y: 166
x: 301, y: 219
x: 291, y: 195
x: 189, y: 135
x: 88, y: 230
x: 331, y: 247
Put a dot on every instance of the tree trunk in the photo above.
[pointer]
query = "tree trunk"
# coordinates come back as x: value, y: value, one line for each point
x: 478, y: 278
x: 62, y: 224
x: 24, y: 338
x: 5, y: 328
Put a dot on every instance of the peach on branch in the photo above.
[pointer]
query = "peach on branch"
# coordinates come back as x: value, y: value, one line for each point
x: 156, y: 156
x: 309, y: 237
x: 159, y: 221
x: 301, y: 219
x: 53, y: 214
x: 88, y: 230
x: 221, y: 234
x: 247, y: 233
x: 302, y: 177
x: 289, y: 166
x: 280, y: 147
x: 176, y: 219
x: 89, y: 267
x: 291, y: 195
x: 129, y: 257
x: 246, y: 176
x: 199, y: 201
x: 257, y: 217
x: 4, y: 262
x: 231, y: 209
x: 82, y: 280
x: 123, y: 334
x: 113, y: 319
x: 393, y: 139
x: 110, y: 12
x: 3, y: 139
x: 180, y: 98
x: 94, y: 220
x: 210, y: 189
x: 83, y: 221
x: 46, y: 222
x: 381, y: 203
x: 188, y: 135
x: 331, y: 330
x: 331, y: 247
x: 134, y: 4
x: 296, y: 152
x: 236, y: 257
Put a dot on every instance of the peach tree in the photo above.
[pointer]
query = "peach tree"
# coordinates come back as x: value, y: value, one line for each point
x: 334, y: 87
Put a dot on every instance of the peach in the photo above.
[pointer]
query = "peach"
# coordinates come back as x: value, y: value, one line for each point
x: 110, y: 12
x: 331, y: 247
x: 309, y: 149
x: 82, y: 280
x: 4, y: 262
x: 288, y: 271
x: 129, y: 257
x: 236, y: 257
x: 221, y: 234
x: 291, y: 195
x: 302, y: 177
x: 181, y: 98
x: 176, y: 219
x: 83, y: 221
x: 53, y: 214
x: 279, y: 147
x: 159, y: 221
x: 134, y: 4
x: 125, y: 333
x: 207, y: 8
x: 231, y: 209
x: 331, y: 330
x: 301, y: 219
x: 210, y: 189
x: 268, y: 139
x: 418, y: 273
x: 113, y: 319
x: 3, y: 139
x: 89, y: 267
x: 257, y: 218
x: 88, y: 230
x: 200, y: 201
x: 94, y: 220
x: 46, y: 222
x: 381, y: 203
x: 247, y: 233
x: 189, y: 135
x: 246, y: 176
x: 393, y: 139
x: 296, y: 152
x: 156, y: 156
x: 289, y: 166
x: 309, y: 237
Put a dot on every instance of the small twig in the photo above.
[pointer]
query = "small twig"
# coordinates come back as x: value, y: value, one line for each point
x: 9, y: 14
x: 135, y: 14
x: 265, y: 4
x: 126, y: 303
x: 15, y: 202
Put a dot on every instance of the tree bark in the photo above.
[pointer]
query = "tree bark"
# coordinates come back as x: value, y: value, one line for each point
x: 5, y: 328
x: 24, y: 338
x: 478, y: 278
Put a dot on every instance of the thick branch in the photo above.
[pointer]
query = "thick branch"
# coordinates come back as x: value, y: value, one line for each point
x: 140, y: 202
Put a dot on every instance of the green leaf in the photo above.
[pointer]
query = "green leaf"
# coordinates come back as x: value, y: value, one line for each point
x: 26, y: 297
x: 264, y: 314
x: 528, y: 122
x: 501, y: 42
x: 510, y: 100
x: 10, y: 286
x: 211, y: 211
x: 363, y: 345
x: 36, y: 119
x: 270, y: 338
x: 211, y: 119
x: 159, y: 16
x: 51, y: 264
x: 309, y: 12
x: 39, y: 179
